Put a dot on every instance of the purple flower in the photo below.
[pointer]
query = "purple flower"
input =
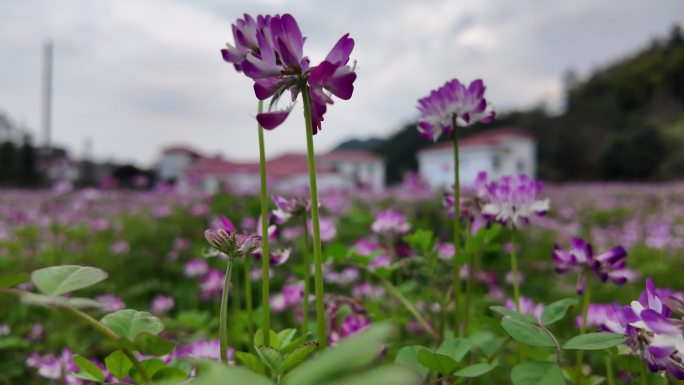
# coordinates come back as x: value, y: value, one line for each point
x: 208, y: 349
x: 327, y: 227
x: 445, y: 251
x: 527, y: 306
x: 272, y: 53
x: 111, y: 302
x: 288, y: 208
x: 513, y: 200
x: 368, y: 291
x: 453, y: 101
x: 245, y: 38
x: 195, y: 268
x: 652, y: 330
x: 120, y: 247
x: 291, y: 295
x: 353, y: 324
x: 390, y: 222
x: 228, y: 241
x: 162, y: 304
x: 212, y: 284
x: 580, y: 258
x: 54, y: 368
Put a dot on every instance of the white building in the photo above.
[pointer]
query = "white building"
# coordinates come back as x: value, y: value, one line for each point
x: 499, y: 152
x: 175, y: 161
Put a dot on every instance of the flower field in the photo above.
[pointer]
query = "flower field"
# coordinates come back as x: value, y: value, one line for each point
x: 152, y: 247
x: 495, y: 280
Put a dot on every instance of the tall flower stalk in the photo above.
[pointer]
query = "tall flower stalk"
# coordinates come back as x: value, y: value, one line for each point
x: 265, y: 276
x: 514, y: 271
x: 307, y: 278
x: 451, y: 105
x: 583, y: 329
x: 318, y: 263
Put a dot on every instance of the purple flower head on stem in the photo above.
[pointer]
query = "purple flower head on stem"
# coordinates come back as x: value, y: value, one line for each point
x: 513, y: 200
x: 231, y: 243
x: 288, y: 208
x: 270, y: 50
x: 453, y: 100
x: 580, y: 258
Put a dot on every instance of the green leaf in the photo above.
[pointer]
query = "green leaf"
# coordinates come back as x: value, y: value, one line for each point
x: 475, y: 370
x: 152, y: 345
x: 151, y: 366
x: 420, y: 239
x: 350, y: 355
x: 526, y: 333
x: 512, y: 313
x: 273, y: 339
x: 13, y: 342
x: 556, y: 311
x: 297, y: 357
x: 594, y: 341
x: 338, y: 251
x: 299, y: 341
x: 118, y: 364
x: 384, y: 375
x: 170, y: 374
x: 271, y: 357
x: 213, y: 373
x: 89, y: 368
x: 456, y: 348
x: 439, y: 363
x: 537, y: 373
x: 286, y: 336
x: 182, y: 365
x: 11, y: 280
x: 408, y: 356
x: 58, y: 280
x: 251, y: 361
x: 129, y: 323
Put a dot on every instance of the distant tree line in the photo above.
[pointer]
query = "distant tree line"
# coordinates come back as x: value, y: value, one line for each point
x: 18, y: 164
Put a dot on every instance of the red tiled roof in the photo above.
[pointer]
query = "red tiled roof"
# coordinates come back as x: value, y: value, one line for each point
x: 493, y: 137
x: 182, y: 149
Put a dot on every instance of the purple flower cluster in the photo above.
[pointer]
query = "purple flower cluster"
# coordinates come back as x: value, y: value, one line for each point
x: 651, y: 329
x: 55, y: 368
x: 290, y: 296
x: 270, y: 50
x: 391, y: 223
x: 453, y: 101
x: 288, y: 208
x: 580, y: 258
x: 513, y: 200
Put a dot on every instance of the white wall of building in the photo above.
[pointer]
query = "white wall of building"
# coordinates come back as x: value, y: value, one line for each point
x: 517, y: 156
x: 172, y: 165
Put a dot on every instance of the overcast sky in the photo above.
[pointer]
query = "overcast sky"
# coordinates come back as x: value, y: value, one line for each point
x: 137, y: 75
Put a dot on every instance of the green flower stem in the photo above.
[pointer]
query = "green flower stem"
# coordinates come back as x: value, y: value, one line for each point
x: 248, y: 300
x: 409, y: 306
x: 97, y: 325
x: 223, y: 315
x: 469, y: 282
x: 583, y: 329
x: 106, y: 331
x: 457, y: 235
x: 307, y: 277
x: 514, y: 271
x: 265, y: 255
x: 499, y: 350
x: 318, y: 263
x: 644, y: 374
x: 610, y: 377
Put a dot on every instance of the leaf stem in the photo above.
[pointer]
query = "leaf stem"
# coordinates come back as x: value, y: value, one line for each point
x: 610, y: 377
x: 265, y: 253
x: 318, y: 263
x: 248, y: 301
x: 409, y: 306
x: 223, y: 315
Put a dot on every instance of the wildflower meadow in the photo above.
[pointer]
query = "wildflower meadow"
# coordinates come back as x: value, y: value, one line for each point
x: 494, y: 281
